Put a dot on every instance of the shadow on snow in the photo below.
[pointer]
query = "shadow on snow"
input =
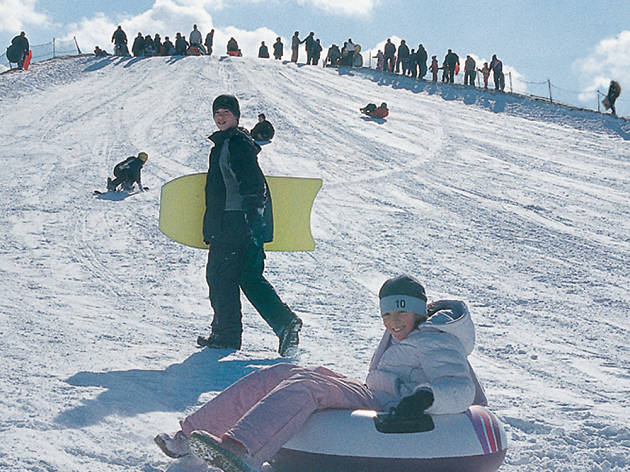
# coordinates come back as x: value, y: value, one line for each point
x: 136, y: 391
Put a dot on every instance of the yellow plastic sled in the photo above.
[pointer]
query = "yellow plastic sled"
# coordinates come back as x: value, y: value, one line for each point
x: 183, y: 204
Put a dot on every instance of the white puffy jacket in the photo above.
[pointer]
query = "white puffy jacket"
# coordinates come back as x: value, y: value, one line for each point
x: 432, y: 356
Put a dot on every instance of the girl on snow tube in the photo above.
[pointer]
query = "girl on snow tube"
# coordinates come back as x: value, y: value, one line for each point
x: 419, y: 368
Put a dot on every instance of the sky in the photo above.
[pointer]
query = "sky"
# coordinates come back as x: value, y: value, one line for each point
x: 579, y: 46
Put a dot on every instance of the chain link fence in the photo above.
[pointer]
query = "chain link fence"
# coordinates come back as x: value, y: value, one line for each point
x: 54, y: 48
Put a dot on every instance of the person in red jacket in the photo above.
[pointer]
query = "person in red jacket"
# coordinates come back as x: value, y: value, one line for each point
x: 373, y: 111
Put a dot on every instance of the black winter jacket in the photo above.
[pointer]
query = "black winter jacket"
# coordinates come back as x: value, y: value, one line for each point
x: 130, y: 170
x: 252, y: 186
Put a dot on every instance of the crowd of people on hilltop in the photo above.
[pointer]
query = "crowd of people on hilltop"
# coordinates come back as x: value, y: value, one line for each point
x: 147, y: 46
x: 396, y: 60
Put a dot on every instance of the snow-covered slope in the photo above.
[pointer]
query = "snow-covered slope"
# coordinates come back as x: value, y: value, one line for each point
x: 518, y: 207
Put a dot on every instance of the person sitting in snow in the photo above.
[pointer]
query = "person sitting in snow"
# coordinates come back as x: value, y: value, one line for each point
x: 232, y: 48
x: 263, y: 131
x: 420, y: 367
x: 127, y: 173
x: 98, y: 52
x: 373, y: 111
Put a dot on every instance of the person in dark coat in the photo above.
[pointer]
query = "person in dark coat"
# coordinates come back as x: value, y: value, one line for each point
x: 180, y: 45
x: 614, y: 90
x: 263, y: 51
x: 209, y: 41
x: 138, y: 46
x: 157, y: 45
x: 421, y: 59
x: 98, y: 52
x: 316, y: 52
x: 403, y: 57
x: 21, y: 46
x: 309, y: 41
x: 496, y: 66
x: 127, y: 173
x: 168, y: 46
x: 232, y: 48
x: 451, y: 60
x: 263, y: 131
x: 278, y: 49
x: 295, y: 46
x: 236, y: 224
x: 333, y: 56
x: 119, y: 38
x: 149, y: 50
x: 390, y: 52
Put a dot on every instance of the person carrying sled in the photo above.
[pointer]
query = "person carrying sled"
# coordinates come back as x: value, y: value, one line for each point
x: 127, y: 173
x: 614, y: 90
x: 390, y: 52
x: 20, y: 48
x: 237, y: 222
x: 420, y: 367
x: 263, y: 130
x: 373, y: 111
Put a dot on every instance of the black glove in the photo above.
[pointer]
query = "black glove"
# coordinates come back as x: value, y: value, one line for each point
x: 414, y: 405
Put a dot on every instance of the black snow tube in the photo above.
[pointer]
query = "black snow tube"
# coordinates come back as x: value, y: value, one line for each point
x: 14, y: 53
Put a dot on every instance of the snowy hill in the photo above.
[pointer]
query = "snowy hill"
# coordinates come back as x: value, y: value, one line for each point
x: 518, y: 207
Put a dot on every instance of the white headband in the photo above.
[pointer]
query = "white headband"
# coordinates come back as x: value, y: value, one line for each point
x: 403, y: 303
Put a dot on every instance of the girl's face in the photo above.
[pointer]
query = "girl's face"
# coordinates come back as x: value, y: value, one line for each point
x: 400, y: 323
x: 225, y: 119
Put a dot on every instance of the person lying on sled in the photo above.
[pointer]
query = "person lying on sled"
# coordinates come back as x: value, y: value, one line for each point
x: 420, y: 366
x: 373, y: 111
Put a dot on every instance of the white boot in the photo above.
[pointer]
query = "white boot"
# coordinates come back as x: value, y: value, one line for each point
x: 174, y: 446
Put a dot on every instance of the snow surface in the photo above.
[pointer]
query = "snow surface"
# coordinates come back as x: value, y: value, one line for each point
x: 518, y: 207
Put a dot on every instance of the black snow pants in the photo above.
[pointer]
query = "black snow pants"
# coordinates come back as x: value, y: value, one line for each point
x: 234, y: 262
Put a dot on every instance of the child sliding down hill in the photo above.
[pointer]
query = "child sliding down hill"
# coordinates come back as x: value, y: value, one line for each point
x: 420, y: 366
x: 373, y: 111
x: 127, y: 173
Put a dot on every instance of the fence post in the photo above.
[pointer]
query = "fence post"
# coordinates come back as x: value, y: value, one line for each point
x: 597, y: 98
x: 53, y: 47
x: 510, y: 74
x: 550, y: 97
x: 77, y: 44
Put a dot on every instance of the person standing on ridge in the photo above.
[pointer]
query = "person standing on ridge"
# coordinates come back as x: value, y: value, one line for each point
x: 295, y: 46
x: 119, y: 38
x: 209, y: 42
x: 278, y: 49
x: 237, y: 222
x: 614, y: 90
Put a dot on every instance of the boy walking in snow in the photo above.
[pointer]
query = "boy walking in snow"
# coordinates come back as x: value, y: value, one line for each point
x: 237, y: 222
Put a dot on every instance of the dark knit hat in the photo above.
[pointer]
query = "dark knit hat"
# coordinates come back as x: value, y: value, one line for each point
x: 403, y: 293
x: 227, y: 102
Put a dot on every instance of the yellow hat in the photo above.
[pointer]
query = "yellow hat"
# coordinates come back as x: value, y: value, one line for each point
x: 143, y: 156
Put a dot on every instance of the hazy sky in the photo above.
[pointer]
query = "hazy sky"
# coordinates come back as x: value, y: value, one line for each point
x: 579, y: 45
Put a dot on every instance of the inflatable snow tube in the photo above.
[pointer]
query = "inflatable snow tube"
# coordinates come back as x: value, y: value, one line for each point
x: 345, y: 440
x: 14, y: 54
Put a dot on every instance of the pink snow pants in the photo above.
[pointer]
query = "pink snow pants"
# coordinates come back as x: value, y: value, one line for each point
x: 264, y: 409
